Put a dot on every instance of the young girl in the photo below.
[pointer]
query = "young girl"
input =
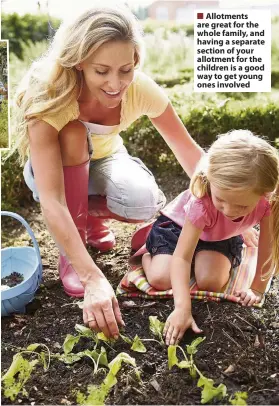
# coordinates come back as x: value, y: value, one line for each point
x: 235, y: 187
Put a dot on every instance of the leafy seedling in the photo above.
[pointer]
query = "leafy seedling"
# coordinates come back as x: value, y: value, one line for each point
x: 69, y: 343
x: 173, y: 360
x: 126, y: 339
x: 20, y: 370
x: 209, y: 391
x: 239, y: 398
x: 137, y: 345
x: 98, y: 394
x: 191, y: 350
x: 156, y: 327
x: 17, y: 375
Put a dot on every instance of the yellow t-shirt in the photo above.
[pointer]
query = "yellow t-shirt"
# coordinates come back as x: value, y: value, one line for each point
x: 143, y: 97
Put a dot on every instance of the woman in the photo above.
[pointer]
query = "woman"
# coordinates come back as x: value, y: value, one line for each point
x: 72, y: 105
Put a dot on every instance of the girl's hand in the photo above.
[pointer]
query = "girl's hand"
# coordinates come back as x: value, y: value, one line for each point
x: 176, y: 325
x: 249, y: 297
x: 101, y: 309
x: 251, y: 237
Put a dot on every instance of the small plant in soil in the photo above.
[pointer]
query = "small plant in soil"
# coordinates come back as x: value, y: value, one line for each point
x: 15, y: 278
x: 209, y: 391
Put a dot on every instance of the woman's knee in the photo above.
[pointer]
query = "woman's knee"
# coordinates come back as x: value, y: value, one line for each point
x: 212, y: 270
x: 138, y: 203
x: 73, y: 143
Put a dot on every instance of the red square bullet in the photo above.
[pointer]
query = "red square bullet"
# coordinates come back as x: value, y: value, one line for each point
x: 200, y: 16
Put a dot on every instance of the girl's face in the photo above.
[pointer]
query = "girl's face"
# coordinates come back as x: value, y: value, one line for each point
x: 234, y: 204
x: 108, y: 73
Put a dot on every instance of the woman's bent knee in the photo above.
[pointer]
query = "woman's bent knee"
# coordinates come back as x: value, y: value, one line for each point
x: 73, y: 143
x: 137, y: 204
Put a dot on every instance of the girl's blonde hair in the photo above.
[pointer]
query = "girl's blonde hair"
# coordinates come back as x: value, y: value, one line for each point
x: 53, y: 82
x: 240, y: 160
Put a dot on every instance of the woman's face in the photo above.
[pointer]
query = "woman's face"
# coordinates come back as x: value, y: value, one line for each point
x: 108, y: 73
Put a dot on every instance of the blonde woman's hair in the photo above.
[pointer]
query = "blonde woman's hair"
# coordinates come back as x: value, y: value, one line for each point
x: 53, y: 82
x: 240, y: 160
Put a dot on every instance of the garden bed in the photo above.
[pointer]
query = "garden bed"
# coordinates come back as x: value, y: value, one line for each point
x: 241, y: 349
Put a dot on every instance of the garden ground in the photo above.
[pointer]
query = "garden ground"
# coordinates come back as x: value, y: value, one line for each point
x: 241, y: 348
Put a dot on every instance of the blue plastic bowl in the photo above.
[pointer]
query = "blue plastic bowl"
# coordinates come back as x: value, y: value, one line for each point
x: 26, y: 261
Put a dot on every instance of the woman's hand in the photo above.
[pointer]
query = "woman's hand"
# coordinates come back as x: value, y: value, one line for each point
x: 177, y: 323
x: 251, y: 237
x: 249, y: 297
x: 101, y: 309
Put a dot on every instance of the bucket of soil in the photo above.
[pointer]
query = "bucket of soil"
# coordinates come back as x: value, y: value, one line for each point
x: 21, y: 273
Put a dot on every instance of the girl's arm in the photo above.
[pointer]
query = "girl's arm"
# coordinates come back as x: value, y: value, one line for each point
x: 180, y: 269
x: 48, y: 171
x: 264, y: 253
x: 258, y: 286
x: 186, y: 150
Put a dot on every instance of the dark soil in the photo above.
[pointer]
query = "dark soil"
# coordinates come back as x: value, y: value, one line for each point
x: 244, y: 340
x: 12, y: 280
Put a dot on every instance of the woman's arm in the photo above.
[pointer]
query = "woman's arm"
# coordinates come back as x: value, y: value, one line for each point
x: 48, y: 171
x: 186, y: 150
x: 180, y: 269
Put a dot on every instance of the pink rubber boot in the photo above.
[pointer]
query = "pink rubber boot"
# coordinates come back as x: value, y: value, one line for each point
x: 76, y: 192
x: 99, y: 235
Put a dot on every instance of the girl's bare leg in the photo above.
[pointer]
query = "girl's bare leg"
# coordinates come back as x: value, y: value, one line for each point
x: 157, y: 270
x: 212, y: 270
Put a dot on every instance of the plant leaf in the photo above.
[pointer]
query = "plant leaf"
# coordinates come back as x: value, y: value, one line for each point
x: 69, y: 343
x: 85, y: 331
x: 172, y: 358
x: 32, y: 347
x: 156, y: 327
x: 209, y: 391
x: 239, y: 398
x: 110, y: 380
x: 70, y: 358
x: 43, y: 359
x: 184, y: 364
x: 192, y: 348
x: 137, y: 372
x: 17, y: 375
x: 102, y: 337
x: 126, y: 339
x: 95, y: 354
x: 116, y: 363
x: 96, y: 395
x: 138, y: 345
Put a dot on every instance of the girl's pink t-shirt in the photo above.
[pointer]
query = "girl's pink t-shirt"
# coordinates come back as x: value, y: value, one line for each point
x: 203, y: 214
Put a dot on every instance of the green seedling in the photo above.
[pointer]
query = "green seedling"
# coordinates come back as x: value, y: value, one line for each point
x: 17, y: 376
x: 102, y: 337
x: 20, y: 371
x: 138, y: 345
x: 209, y: 391
x: 156, y: 327
x: 69, y: 343
x: 97, y: 394
x: 126, y: 339
x: 191, y: 350
x: 239, y: 398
